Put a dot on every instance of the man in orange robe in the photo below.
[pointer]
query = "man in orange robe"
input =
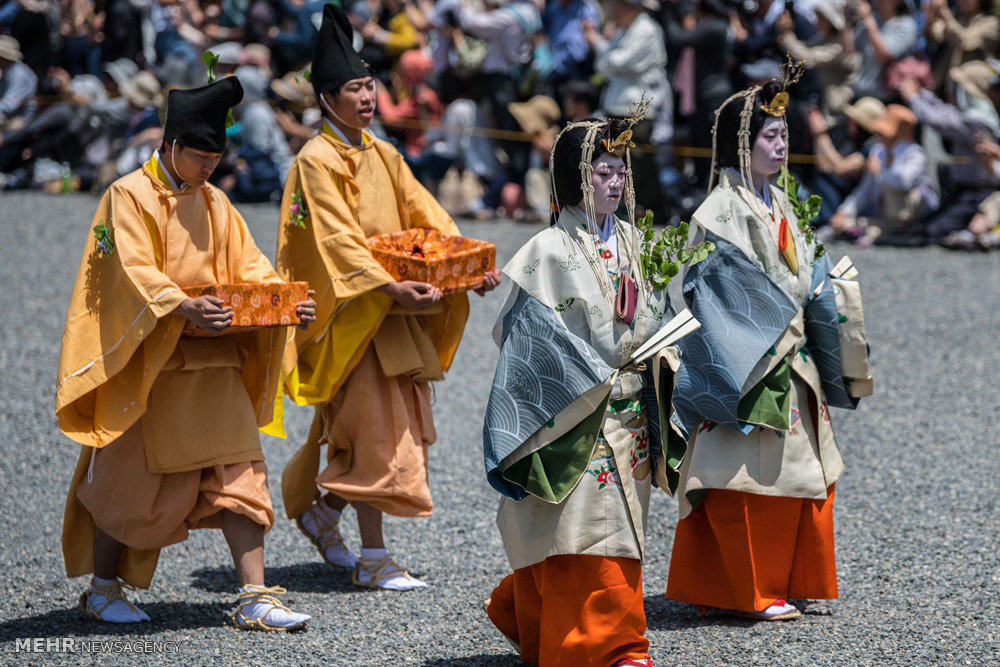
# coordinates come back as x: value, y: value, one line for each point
x: 379, y: 343
x: 168, y: 422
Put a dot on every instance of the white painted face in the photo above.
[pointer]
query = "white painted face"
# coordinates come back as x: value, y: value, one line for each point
x: 609, y: 183
x: 770, y: 149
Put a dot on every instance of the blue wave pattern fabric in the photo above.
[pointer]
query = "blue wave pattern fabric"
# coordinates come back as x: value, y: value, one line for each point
x: 823, y: 338
x: 542, y: 369
x: 742, y: 314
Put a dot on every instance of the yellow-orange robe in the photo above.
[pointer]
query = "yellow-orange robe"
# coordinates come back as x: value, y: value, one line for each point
x: 351, y: 193
x: 126, y: 376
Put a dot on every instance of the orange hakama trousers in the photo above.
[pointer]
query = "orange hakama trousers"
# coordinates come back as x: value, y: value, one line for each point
x: 147, y: 511
x: 744, y: 551
x: 377, y: 430
x: 573, y: 610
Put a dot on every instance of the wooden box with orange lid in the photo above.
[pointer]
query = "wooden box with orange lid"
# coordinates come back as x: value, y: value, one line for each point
x: 450, y: 263
x: 254, y: 305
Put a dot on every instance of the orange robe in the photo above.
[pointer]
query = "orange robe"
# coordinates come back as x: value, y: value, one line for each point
x: 744, y: 551
x: 178, y: 416
x: 573, y: 610
x: 366, y: 364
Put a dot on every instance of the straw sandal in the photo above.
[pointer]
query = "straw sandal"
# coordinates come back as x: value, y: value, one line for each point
x: 262, y: 594
x: 111, y: 592
x: 328, y: 534
x: 763, y: 615
x: 380, y: 570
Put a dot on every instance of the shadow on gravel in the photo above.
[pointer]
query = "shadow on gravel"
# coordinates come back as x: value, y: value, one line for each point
x: 481, y: 660
x: 301, y: 578
x: 664, y: 614
x: 165, y: 616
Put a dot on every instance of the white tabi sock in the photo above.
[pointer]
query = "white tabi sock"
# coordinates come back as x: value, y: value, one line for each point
x: 402, y: 581
x: 321, y: 518
x: 118, y: 611
x: 780, y: 608
x: 271, y: 615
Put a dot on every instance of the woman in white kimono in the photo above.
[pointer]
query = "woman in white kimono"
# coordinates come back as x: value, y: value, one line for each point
x: 568, y: 439
x: 781, y: 339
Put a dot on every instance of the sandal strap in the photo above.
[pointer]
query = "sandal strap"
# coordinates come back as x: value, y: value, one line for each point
x: 381, y: 569
x: 327, y: 529
x: 111, y: 592
x: 259, y: 594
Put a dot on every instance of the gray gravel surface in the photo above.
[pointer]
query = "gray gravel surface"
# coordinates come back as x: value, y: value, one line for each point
x: 916, y: 517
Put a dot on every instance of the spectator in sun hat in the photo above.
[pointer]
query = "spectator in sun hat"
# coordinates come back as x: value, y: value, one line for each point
x: 62, y: 131
x: 143, y: 132
x: 975, y: 119
x: 18, y: 85
x: 539, y: 118
x: 841, y: 152
x: 896, y: 189
x: 118, y: 72
x: 296, y: 112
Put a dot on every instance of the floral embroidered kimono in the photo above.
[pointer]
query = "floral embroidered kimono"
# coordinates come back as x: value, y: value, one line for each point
x: 569, y: 441
x: 782, y: 338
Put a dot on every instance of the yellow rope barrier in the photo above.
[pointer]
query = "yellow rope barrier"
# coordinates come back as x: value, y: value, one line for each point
x: 516, y: 135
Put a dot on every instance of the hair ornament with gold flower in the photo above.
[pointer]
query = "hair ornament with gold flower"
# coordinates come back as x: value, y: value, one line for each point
x: 621, y: 143
x: 791, y: 72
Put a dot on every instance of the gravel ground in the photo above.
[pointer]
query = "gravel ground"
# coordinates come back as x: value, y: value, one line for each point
x: 916, y: 509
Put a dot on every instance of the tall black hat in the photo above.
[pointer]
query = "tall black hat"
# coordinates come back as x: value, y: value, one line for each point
x: 335, y: 62
x: 197, y: 118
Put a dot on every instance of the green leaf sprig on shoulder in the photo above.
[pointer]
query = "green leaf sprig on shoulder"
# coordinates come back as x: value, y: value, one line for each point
x: 297, y: 212
x: 805, y: 211
x: 105, y: 244
x: 663, y: 255
x: 211, y: 61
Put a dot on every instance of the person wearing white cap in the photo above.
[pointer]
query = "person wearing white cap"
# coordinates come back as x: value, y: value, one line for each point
x: 119, y: 71
x: 17, y: 86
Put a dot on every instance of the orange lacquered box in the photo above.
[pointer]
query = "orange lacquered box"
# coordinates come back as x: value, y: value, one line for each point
x: 254, y: 305
x: 450, y: 263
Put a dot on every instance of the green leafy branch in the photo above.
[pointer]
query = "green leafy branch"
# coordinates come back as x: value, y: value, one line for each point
x: 805, y: 211
x: 211, y: 61
x: 665, y: 253
x: 105, y: 239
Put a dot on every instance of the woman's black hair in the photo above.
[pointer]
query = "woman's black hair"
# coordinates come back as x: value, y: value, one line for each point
x: 727, y: 133
x: 566, y: 160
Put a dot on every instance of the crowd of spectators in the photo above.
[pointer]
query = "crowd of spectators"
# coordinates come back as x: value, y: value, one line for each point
x: 895, y: 124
